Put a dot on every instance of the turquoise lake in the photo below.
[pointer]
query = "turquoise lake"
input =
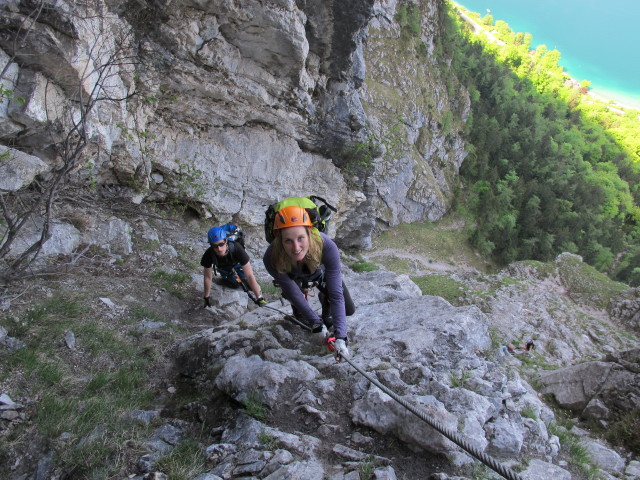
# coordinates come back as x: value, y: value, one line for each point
x: 598, y: 41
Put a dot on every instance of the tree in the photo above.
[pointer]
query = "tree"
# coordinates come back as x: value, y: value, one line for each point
x: 487, y: 20
x: 109, y: 54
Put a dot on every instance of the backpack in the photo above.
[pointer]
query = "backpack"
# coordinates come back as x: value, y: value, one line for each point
x: 234, y: 234
x: 318, y: 208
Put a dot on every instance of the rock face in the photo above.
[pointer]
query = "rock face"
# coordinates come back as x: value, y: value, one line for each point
x: 600, y: 390
x: 228, y: 106
x: 626, y: 308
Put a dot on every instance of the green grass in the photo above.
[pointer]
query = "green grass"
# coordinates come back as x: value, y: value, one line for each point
x: 496, y: 338
x: 367, y: 467
x: 268, y: 441
x: 587, y: 284
x: 98, y: 384
x: 624, y: 431
x: 53, y: 317
x: 98, y: 338
x: 363, y: 266
x: 254, y: 407
x: 536, y: 361
x: 440, y: 286
x: 184, y: 462
x: 174, y: 283
x: 188, y: 257
x: 528, y: 412
x: 62, y: 307
x: 268, y: 288
x: 543, y: 269
x: 139, y: 313
x: 459, y: 379
x: 445, y: 240
x: 396, y: 264
x: 579, y: 455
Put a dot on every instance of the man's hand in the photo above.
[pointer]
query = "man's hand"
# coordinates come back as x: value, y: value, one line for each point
x: 339, y: 347
x: 260, y: 301
x: 207, y: 302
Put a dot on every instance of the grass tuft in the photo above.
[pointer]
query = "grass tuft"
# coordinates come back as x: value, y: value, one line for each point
x: 184, y: 462
x: 174, y: 283
x: 254, y: 407
x: 363, y: 266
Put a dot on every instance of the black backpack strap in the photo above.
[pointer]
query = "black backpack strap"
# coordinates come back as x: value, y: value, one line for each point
x: 232, y: 249
x: 314, y: 198
x: 214, y: 263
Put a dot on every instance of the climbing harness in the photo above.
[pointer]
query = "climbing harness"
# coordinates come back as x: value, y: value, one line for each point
x: 243, y: 284
x: 490, y: 462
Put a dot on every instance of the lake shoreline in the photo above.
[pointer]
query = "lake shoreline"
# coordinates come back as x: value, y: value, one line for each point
x: 532, y: 18
x: 608, y: 99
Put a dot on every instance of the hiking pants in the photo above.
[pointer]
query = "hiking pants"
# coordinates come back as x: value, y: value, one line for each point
x: 349, y: 306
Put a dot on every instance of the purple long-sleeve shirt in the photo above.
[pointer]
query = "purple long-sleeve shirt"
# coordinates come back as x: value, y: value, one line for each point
x: 332, y: 277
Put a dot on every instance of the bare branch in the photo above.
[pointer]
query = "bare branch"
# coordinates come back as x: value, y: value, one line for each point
x: 108, y: 55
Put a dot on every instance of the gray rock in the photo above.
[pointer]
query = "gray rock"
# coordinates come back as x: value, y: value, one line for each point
x: 164, y: 438
x: 378, y: 411
x: 506, y: 436
x: 385, y: 473
x: 247, y: 431
x: 208, y: 476
x: 357, y: 456
x: 537, y: 469
x: 113, y: 234
x: 633, y: 469
x: 8, y: 127
x: 144, y: 417
x: 606, y: 458
x: 18, y: 169
x: 304, y: 469
x: 593, y: 389
x: 6, y: 400
x: 242, y: 376
x: 70, y: 340
x: 108, y: 302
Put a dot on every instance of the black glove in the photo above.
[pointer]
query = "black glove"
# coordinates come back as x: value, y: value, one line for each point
x: 207, y: 302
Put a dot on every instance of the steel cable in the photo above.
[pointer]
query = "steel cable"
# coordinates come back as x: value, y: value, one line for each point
x: 451, y: 435
x: 286, y: 315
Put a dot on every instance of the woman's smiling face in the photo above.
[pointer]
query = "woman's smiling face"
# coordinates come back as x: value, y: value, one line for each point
x: 295, y: 241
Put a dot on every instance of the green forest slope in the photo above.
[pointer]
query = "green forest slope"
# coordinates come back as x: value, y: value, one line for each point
x: 549, y: 168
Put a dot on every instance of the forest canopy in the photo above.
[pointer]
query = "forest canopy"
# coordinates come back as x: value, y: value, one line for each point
x: 550, y: 168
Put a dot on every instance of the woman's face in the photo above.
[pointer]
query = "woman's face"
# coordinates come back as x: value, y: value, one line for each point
x: 295, y: 241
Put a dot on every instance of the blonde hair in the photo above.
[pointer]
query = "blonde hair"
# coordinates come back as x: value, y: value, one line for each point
x: 282, y: 262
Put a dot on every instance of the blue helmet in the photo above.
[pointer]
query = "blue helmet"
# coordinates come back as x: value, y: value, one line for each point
x: 216, y: 234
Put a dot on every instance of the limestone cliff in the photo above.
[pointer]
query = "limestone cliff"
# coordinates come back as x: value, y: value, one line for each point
x: 228, y: 105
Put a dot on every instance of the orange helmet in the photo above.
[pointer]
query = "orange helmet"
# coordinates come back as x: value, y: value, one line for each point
x: 291, y: 216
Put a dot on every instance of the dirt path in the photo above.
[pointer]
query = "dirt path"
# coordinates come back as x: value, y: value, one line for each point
x: 420, y: 264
